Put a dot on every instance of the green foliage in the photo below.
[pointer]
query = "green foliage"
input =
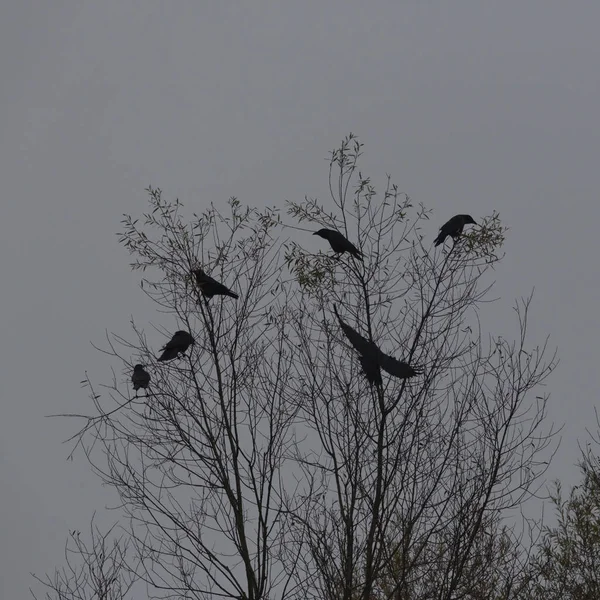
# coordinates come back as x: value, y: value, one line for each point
x: 568, y: 563
x: 487, y: 238
x: 210, y: 234
x: 310, y: 271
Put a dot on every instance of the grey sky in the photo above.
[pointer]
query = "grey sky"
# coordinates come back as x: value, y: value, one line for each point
x: 471, y: 106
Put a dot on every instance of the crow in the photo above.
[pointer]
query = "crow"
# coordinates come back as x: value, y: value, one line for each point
x: 453, y: 228
x: 140, y: 378
x: 211, y: 287
x: 372, y: 359
x: 367, y: 351
x: 179, y: 343
x: 338, y: 242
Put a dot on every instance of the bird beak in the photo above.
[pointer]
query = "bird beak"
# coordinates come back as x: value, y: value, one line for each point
x: 315, y: 233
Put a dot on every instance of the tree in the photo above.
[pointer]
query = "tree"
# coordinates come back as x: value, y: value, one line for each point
x: 264, y: 464
x: 496, y: 569
x: 567, y: 565
x: 407, y: 468
x: 198, y: 465
x: 97, y: 569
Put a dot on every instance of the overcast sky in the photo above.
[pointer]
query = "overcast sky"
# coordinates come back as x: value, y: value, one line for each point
x: 471, y: 106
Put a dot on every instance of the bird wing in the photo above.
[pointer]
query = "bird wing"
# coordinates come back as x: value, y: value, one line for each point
x: 341, y: 243
x: 450, y: 228
x: 362, y: 344
x: 446, y: 228
x: 207, y: 279
x: 352, y: 249
x: 454, y: 225
x: 211, y: 287
x: 395, y: 367
x: 223, y: 290
x: 173, y: 344
x: 205, y: 283
x: 182, y: 341
x: 168, y: 353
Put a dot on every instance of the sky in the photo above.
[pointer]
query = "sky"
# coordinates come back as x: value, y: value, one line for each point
x: 472, y: 107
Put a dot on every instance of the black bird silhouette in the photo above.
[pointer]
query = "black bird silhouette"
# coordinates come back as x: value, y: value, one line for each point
x: 372, y: 359
x: 211, y: 287
x: 338, y: 242
x: 179, y: 343
x: 371, y: 369
x: 140, y: 378
x: 453, y: 228
x: 395, y: 367
x: 360, y: 343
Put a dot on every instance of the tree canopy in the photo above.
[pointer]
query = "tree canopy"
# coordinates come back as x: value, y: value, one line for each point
x: 276, y: 457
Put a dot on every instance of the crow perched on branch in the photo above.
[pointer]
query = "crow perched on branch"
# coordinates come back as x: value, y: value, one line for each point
x: 338, y: 242
x: 453, y: 228
x: 211, y: 287
x: 372, y: 359
x: 140, y: 378
x: 179, y: 343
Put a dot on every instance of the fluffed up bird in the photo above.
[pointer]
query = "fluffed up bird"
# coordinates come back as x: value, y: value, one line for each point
x: 211, y: 287
x: 338, y: 242
x: 140, y: 378
x: 178, y: 344
x: 372, y: 359
x: 453, y: 228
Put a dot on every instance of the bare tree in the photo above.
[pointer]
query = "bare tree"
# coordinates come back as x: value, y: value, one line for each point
x: 96, y: 569
x: 198, y: 463
x: 263, y: 464
x: 496, y: 569
x: 406, y: 472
